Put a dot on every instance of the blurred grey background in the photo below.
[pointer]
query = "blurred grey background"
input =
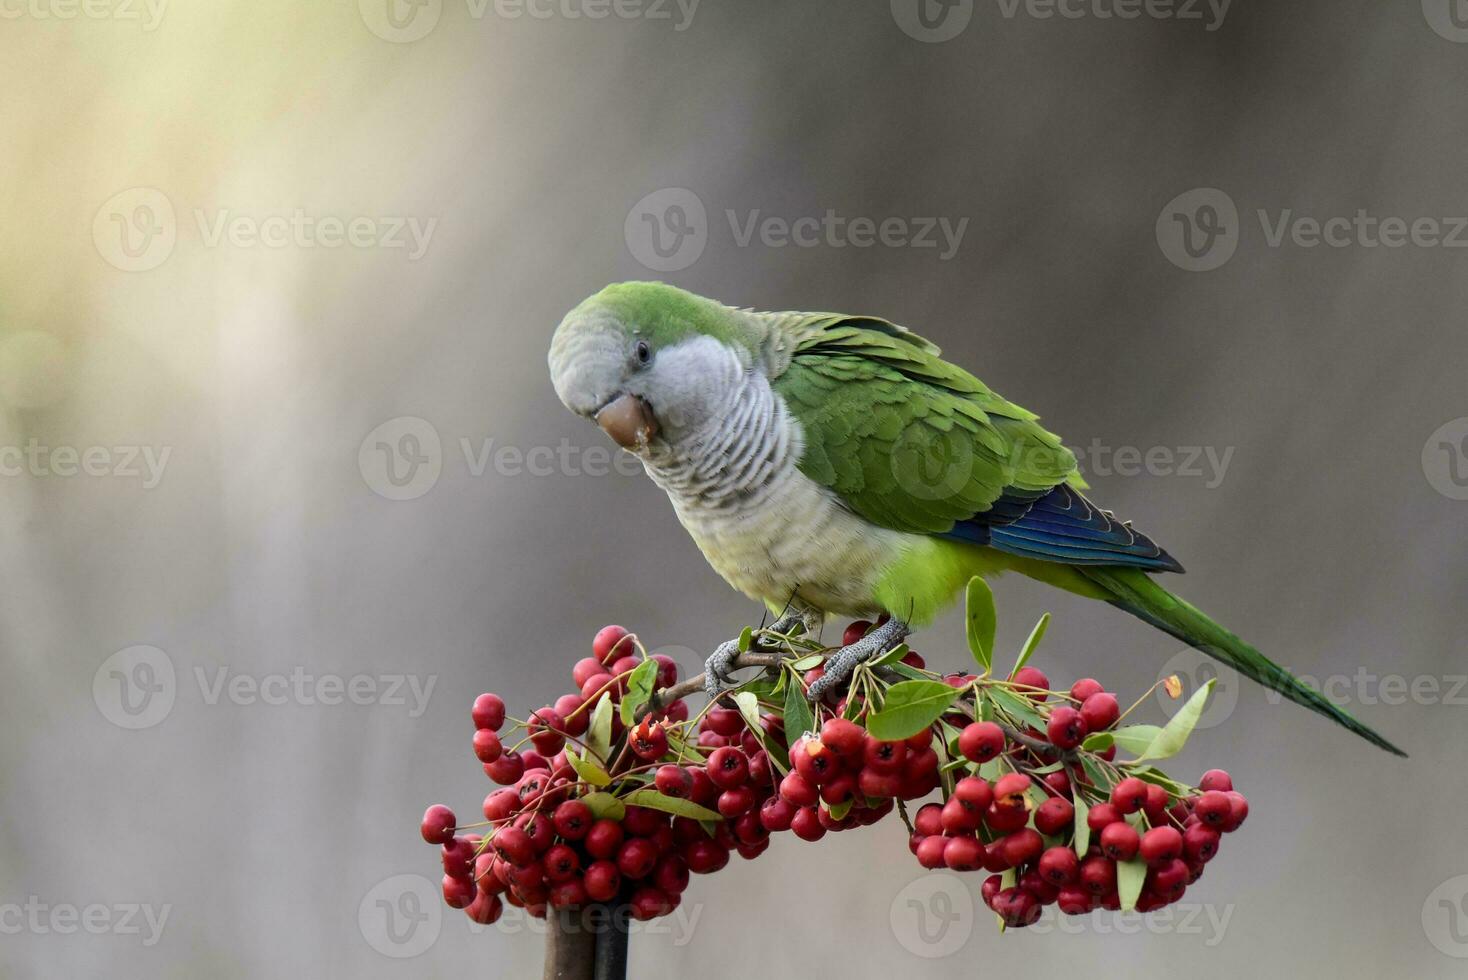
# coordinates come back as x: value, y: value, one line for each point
x: 236, y: 675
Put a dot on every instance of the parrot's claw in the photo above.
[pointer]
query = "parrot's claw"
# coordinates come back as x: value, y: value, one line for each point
x: 717, y: 669
x: 841, y: 664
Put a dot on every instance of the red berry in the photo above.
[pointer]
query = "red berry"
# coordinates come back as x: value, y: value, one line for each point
x: 650, y: 903
x: 1216, y: 779
x: 981, y: 741
x: 1084, y: 688
x: 438, y: 824
x: 574, y: 715
x: 1005, y: 819
x: 1054, y: 816
x: 642, y: 821
x: 637, y: 857
x: 1098, y: 875
x: 513, y: 846
x: 798, y: 791
x: 1129, y: 795
x: 929, y: 820
x: 1033, y: 677
x: 705, y: 856
x: 1213, y: 808
x: 838, y: 790
x: 1059, y: 865
x: 546, y: 727
x: 877, y: 784
x: 963, y: 853
x: 1156, y: 806
x: 733, y: 802
x: 649, y: 740
x: 560, y: 863
x: 1059, y: 782
x: 931, y: 851
x: 855, y: 632
x: 1066, y: 727
x: 568, y: 894
x: 486, y: 908
x: 960, y: 819
x: 610, y: 643
x: 1119, y: 841
x: 1200, y: 843
x: 667, y: 670
x: 1023, y: 846
x: 458, y: 892
x: 586, y: 668
x: 814, y: 760
x: 1017, y: 907
x: 1101, y: 815
x: 1009, y: 791
x: 728, y: 767
x: 1073, y: 900
x: 884, y: 756
x: 776, y: 813
x: 1100, y: 711
x: 604, y: 839
x: 845, y: 738
x: 487, y: 745
x: 500, y: 804
x: 990, y: 888
x: 807, y: 824
x: 573, y: 820
x: 1238, y: 811
x: 488, y: 712
x: 671, y: 874
x: 602, y: 880
x: 1161, y: 845
x: 674, y: 781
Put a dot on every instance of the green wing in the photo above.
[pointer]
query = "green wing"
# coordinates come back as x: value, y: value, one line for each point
x: 904, y: 438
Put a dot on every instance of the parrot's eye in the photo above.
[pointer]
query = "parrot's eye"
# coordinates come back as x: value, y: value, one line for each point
x: 644, y: 352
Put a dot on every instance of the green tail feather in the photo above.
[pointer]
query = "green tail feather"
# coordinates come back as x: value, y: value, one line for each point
x: 1138, y: 594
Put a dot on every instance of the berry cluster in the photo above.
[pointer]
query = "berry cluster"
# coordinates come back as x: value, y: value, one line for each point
x: 1055, y: 824
x: 613, y: 793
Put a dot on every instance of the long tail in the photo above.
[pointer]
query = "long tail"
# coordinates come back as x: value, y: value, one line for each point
x: 1137, y: 593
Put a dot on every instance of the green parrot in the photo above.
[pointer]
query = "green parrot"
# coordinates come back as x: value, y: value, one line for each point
x: 833, y: 464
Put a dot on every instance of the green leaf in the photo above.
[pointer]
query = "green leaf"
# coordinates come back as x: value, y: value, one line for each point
x: 1036, y: 635
x: 840, y: 810
x: 588, y: 770
x: 605, y: 806
x: 746, y: 639
x: 1018, y: 708
x: 1151, y: 775
x: 806, y: 663
x: 1083, y: 829
x: 654, y: 800
x: 891, y: 656
x: 798, y: 719
x: 910, y: 707
x: 639, y: 689
x: 748, y: 706
x: 1174, y: 734
x: 599, y: 732
x: 979, y: 610
x: 909, y: 672
x: 1129, y: 878
x: 1133, y: 738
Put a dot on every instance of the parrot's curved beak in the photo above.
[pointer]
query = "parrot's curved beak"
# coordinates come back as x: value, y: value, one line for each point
x: 629, y: 421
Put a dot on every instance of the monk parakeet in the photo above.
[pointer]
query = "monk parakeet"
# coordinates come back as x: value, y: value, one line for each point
x: 834, y: 464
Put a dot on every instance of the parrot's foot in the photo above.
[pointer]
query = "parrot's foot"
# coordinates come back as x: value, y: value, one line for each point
x: 840, y: 664
x: 718, y: 668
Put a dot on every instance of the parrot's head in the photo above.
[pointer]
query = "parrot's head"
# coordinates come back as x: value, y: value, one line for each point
x: 652, y: 364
